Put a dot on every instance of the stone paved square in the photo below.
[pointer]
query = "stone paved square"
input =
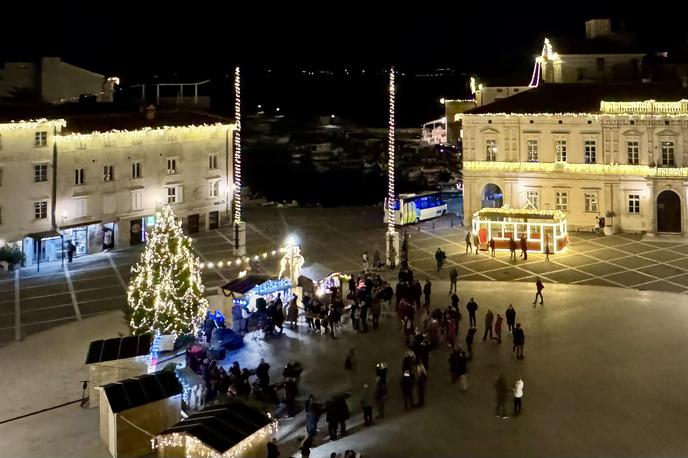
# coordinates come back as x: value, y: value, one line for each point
x: 629, y: 278
x: 601, y: 269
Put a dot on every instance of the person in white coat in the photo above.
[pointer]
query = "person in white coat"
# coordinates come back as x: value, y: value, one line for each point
x: 518, y: 394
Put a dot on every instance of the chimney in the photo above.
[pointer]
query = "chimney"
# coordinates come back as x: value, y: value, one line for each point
x: 598, y: 28
x: 150, y: 112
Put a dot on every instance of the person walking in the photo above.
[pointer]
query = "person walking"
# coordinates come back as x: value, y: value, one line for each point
x: 512, y: 249
x: 502, y: 393
x: 457, y: 367
x: 350, y: 365
x: 421, y: 380
x: 375, y: 311
x: 489, y: 321
x: 498, y: 328
x: 472, y: 307
x: 469, y: 241
x: 381, y: 396
x: 367, y: 405
x: 519, y: 340
x: 476, y: 242
x: 518, y: 395
x: 376, y: 260
x: 293, y: 311
x: 427, y: 291
x: 524, y: 247
x: 366, y: 262
x: 408, y: 380
x: 71, y: 249
x: 439, y: 258
x: 469, y: 342
x: 539, y: 286
x: 455, y: 301
x: 343, y: 414
x: 547, y: 252
x: 510, y: 317
x: 493, y: 246
x: 453, y: 278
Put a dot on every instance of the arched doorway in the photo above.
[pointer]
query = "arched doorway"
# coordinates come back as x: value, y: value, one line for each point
x: 492, y: 196
x: 668, y: 212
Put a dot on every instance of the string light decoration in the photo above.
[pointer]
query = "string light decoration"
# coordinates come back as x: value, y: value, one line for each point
x: 584, y: 169
x: 391, y: 196
x: 545, y: 56
x: 166, y: 292
x: 237, y: 145
x: 194, y: 448
x: 154, y: 133
x: 33, y: 124
x: 243, y: 260
x: 292, y: 261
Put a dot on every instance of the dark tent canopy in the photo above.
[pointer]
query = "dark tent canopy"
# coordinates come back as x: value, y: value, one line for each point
x: 244, y: 284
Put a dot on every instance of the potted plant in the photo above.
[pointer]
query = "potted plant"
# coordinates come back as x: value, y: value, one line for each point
x: 12, y: 255
x: 608, y: 222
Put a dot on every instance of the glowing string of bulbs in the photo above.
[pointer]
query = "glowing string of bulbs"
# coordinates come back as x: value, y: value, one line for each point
x: 390, y: 155
x: 237, y: 145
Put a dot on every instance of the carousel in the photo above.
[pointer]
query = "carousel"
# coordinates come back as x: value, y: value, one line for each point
x: 541, y: 228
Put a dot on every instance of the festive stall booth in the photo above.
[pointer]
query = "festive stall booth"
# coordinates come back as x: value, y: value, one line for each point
x: 318, y: 279
x: 115, y: 359
x: 229, y: 430
x: 246, y: 290
x: 541, y: 227
x: 193, y: 389
x: 133, y: 410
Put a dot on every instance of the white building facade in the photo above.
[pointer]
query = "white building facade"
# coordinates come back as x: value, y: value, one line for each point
x: 627, y: 162
x: 101, y: 190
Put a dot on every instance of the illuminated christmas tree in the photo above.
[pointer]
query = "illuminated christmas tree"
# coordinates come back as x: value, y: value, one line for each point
x: 166, y: 292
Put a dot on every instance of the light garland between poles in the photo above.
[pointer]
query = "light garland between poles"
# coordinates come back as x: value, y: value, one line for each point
x: 244, y: 259
x: 237, y: 145
x: 390, y: 156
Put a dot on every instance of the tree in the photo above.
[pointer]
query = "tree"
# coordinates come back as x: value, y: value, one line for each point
x: 166, y: 292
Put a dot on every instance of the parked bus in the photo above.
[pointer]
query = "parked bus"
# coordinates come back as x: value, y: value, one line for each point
x: 412, y: 208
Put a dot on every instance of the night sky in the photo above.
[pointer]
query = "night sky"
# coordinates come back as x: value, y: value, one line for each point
x: 194, y: 40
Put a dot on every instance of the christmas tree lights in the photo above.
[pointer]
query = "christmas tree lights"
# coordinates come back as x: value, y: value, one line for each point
x: 166, y: 291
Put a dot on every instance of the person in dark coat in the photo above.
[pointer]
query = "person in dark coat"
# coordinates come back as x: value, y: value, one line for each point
x: 539, y: 286
x: 408, y: 380
x: 489, y: 320
x: 263, y: 373
x: 455, y: 300
x: 524, y: 248
x: 427, y: 291
x: 381, y: 394
x: 510, y: 317
x: 343, y: 414
x: 453, y: 277
x: 421, y: 380
x: 279, y: 313
x: 71, y: 249
x: 417, y: 294
x: 290, y: 392
x: 331, y: 418
x: 519, y: 340
x: 472, y: 307
x: 512, y: 248
x: 273, y: 451
x: 492, y: 245
x: 469, y: 341
x: 502, y: 396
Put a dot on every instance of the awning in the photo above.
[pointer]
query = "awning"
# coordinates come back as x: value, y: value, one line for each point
x: 316, y: 272
x: 52, y: 233
x: 87, y: 223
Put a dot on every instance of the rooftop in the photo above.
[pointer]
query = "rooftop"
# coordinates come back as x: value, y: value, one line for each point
x: 581, y: 98
x: 87, y: 118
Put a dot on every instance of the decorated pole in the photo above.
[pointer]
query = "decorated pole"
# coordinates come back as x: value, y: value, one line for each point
x: 239, y: 225
x: 392, y: 236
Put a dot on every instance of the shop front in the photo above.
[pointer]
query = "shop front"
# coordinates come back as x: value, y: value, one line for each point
x: 138, y: 229
x: 44, y: 246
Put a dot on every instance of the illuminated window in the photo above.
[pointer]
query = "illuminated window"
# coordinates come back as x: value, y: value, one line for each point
x: 634, y: 203
x: 668, y: 153
x: 591, y: 202
x: 532, y: 150
x: 633, y: 149
x: 41, y: 138
x: 560, y: 150
x: 562, y: 201
x: 590, y: 151
x: 491, y: 150
x: 40, y: 209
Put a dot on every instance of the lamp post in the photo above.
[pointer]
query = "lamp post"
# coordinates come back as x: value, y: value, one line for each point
x: 392, y: 236
x: 239, y: 225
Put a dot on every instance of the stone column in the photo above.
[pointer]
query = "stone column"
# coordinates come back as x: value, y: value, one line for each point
x: 239, y: 238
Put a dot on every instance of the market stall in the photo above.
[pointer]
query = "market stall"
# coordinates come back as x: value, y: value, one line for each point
x: 246, y: 290
x: 318, y: 279
x: 541, y: 227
